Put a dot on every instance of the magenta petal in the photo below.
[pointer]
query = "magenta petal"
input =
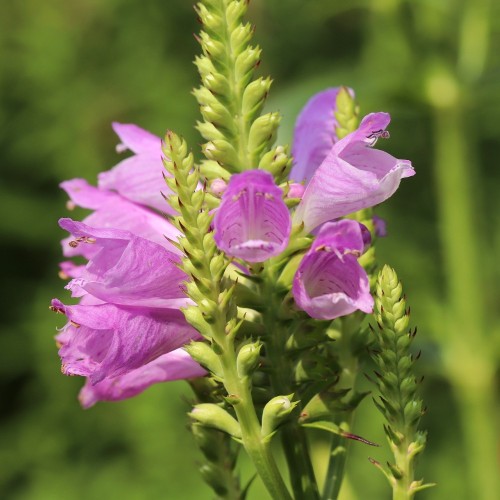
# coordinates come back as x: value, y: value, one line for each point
x: 126, y: 269
x: 175, y: 365
x: 107, y: 340
x: 139, y: 178
x: 252, y: 221
x: 353, y: 176
x: 314, y: 134
x: 135, y: 138
x: 111, y: 210
x: 330, y: 282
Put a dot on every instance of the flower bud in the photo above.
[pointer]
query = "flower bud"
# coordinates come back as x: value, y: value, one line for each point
x: 211, y: 415
x: 203, y: 354
x: 248, y: 359
x: 275, y: 413
x: 217, y: 187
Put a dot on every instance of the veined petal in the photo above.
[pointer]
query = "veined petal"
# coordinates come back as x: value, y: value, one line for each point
x: 252, y: 221
x: 106, y: 340
x: 330, y: 282
x: 114, y: 211
x: 314, y: 134
x: 175, y: 365
x: 353, y: 176
x: 139, y: 178
x: 126, y: 269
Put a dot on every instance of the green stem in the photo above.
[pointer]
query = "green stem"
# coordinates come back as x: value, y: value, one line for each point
x: 294, y: 439
x: 258, y: 450
x: 339, y: 446
x: 401, y: 489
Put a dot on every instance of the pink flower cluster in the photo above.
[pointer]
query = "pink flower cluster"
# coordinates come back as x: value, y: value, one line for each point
x: 127, y: 330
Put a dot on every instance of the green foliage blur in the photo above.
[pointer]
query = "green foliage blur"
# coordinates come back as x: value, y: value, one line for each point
x: 70, y: 68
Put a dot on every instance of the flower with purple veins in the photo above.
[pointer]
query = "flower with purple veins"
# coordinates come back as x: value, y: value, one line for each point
x: 329, y: 281
x: 252, y: 222
x: 351, y: 176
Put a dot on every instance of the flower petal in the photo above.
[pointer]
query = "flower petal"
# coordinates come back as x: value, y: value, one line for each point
x: 175, y: 365
x: 106, y: 341
x: 112, y: 210
x: 353, y: 176
x: 330, y: 282
x: 252, y: 221
x: 135, y: 138
x: 139, y: 178
x: 314, y: 134
x: 126, y: 269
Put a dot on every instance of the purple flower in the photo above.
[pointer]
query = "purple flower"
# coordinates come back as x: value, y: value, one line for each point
x: 352, y: 175
x: 314, y: 134
x: 126, y: 331
x: 380, y: 226
x: 175, y: 365
x: 330, y: 282
x: 129, y: 314
x: 138, y: 178
x: 252, y: 222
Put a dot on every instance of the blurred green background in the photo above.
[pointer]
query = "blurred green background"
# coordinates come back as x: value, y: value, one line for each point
x: 69, y: 68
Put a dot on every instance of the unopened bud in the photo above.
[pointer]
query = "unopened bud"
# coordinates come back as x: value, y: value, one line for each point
x: 203, y: 354
x: 211, y: 415
x: 248, y: 359
x: 217, y: 187
x: 275, y: 413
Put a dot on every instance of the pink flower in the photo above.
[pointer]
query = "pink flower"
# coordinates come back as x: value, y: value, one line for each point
x: 252, y: 222
x: 346, y: 175
x: 330, y: 282
x: 127, y: 330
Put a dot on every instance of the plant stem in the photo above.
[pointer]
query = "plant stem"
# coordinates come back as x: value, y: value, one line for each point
x: 294, y: 440
x: 339, y: 446
x: 258, y: 451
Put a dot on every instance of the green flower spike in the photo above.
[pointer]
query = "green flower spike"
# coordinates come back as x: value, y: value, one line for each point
x: 399, y: 402
x: 237, y: 136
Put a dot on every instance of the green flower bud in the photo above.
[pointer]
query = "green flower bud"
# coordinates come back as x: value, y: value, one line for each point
x: 254, y: 97
x: 275, y: 413
x: 248, y: 359
x: 214, y: 476
x: 203, y: 354
x: 245, y: 63
x: 262, y: 131
x: 211, y: 415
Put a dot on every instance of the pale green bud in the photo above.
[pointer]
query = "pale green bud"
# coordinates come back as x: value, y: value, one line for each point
x: 195, y: 318
x: 240, y: 37
x: 235, y: 11
x: 275, y: 413
x: 254, y: 96
x: 209, y: 132
x: 203, y: 354
x: 221, y: 151
x: 214, y: 416
x: 262, y: 133
x: 248, y: 359
x: 276, y: 161
x: 211, y: 47
x: 204, y: 65
x: 215, y: 476
x: 245, y: 63
x: 210, y: 169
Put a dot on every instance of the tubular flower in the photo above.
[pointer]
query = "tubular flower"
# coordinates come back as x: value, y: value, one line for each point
x: 129, y: 314
x: 352, y: 176
x: 127, y: 330
x: 329, y: 281
x: 252, y: 222
x: 314, y: 134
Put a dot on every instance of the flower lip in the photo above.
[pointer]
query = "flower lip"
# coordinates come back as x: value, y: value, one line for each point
x: 353, y: 176
x: 252, y: 221
x: 330, y: 282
